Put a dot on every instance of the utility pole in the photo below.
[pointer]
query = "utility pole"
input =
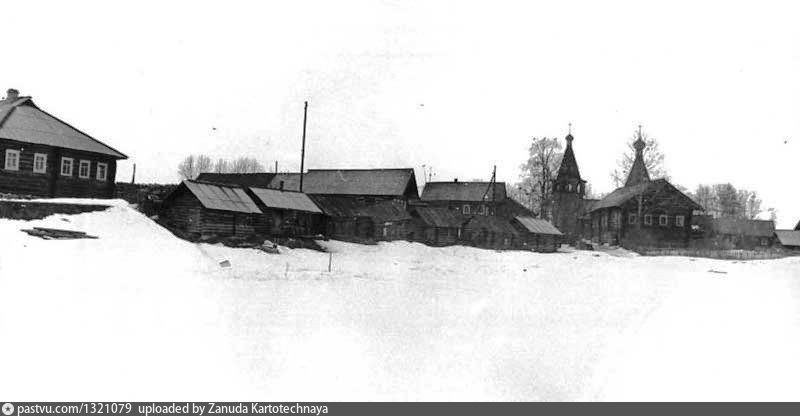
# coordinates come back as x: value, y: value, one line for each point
x: 276, y: 166
x: 303, y: 151
x: 133, y: 178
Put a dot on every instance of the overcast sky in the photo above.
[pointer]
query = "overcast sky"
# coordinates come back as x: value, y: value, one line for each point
x: 454, y: 85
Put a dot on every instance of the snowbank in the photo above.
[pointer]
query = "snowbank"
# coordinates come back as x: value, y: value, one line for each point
x: 139, y: 314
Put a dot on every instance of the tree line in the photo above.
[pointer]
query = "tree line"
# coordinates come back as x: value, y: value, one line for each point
x: 193, y: 165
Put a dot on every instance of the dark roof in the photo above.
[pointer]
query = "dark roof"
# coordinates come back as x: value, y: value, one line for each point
x: 788, y: 238
x: 222, y: 197
x: 370, y: 182
x: 491, y: 223
x: 538, y: 226
x: 440, y: 217
x: 624, y: 194
x: 291, y: 200
x: 569, y: 166
x: 638, y: 173
x: 463, y: 191
x: 242, y: 179
x: 347, y: 208
x: 587, y: 205
x: 23, y: 121
x: 797, y: 227
x: 737, y: 226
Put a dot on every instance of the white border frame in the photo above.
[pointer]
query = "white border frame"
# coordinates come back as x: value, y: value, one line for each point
x: 105, y: 171
x: 5, y: 161
x: 44, y: 169
x: 71, y: 166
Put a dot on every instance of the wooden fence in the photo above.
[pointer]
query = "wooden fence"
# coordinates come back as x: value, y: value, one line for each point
x: 717, y: 254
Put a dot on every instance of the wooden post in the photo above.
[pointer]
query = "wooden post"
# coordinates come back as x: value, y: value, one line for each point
x: 303, y: 150
x: 330, y: 261
x: 133, y: 178
x: 276, y: 166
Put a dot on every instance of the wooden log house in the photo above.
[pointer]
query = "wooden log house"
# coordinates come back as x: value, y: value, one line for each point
x: 41, y: 155
x: 438, y: 226
x: 537, y: 234
x: 289, y: 213
x: 199, y: 209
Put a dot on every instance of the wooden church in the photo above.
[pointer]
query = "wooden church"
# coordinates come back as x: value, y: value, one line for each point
x: 643, y: 213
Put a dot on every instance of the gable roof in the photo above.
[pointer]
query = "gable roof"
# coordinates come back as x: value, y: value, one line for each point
x: 23, y: 121
x: 797, y: 227
x: 296, y: 201
x: 738, y: 226
x: 490, y: 223
x: 624, y: 194
x: 368, y: 182
x: 242, y: 179
x: 788, y: 238
x: 222, y: 197
x: 538, y: 226
x: 440, y: 217
x: 463, y: 191
x: 348, y: 208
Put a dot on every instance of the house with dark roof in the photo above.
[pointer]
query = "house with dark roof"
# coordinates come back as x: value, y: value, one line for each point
x: 47, y: 157
x: 438, y: 226
x: 739, y: 233
x: 644, y: 212
x: 369, y: 185
x: 352, y: 220
x: 537, y: 234
x: 788, y: 239
x: 260, y: 180
x: 288, y: 213
x: 472, y: 198
x: 491, y: 232
x: 196, y: 209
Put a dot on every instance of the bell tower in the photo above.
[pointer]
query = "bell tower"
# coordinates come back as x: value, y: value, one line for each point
x: 568, y: 192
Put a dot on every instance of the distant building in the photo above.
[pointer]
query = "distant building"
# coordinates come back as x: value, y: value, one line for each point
x: 472, y: 198
x: 197, y: 209
x: 644, y: 212
x: 44, y: 156
x: 289, y: 213
x: 363, y: 185
x: 788, y: 239
x: 538, y: 234
x: 738, y: 233
x: 439, y: 226
x: 490, y: 232
x: 569, y: 206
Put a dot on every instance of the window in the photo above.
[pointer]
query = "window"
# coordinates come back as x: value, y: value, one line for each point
x: 102, y: 171
x: 385, y: 231
x: 83, y: 169
x: 764, y: 242
x: 12, y: 159
x: 39, y: 163
x: 648, y: 219
x: 482, y: 210
x: 679, y: 220
x: 632, y: 218
x: 662, y: 220
x: 66, y: 166
x: 466, y: 209
x: 569, y: 188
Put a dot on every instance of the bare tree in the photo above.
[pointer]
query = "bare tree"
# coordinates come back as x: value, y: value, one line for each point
x: 192, y: 166
x: 246, y: 165
x: 221, y: 166
x: 724, y: 200
x: 538, y: 172
x: 653, y: 160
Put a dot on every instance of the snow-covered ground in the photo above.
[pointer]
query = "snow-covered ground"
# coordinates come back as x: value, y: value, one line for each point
x: 141, y: 315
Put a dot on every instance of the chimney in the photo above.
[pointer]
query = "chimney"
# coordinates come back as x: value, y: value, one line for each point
x: 280, y: 185
x: 12, y: 94
x: 455, y: 180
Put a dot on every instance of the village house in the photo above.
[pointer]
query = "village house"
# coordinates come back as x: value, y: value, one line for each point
x: 350, y: 219
x: 739, y: 233
x: 366, y: 186
x: 537, y: 234
x: 644, y: 212
x: 438, y: 226
x: 46, y: 157
x: 788, y: 240
x: 488, y: 231
x: 199, y: 209
x: 289, y: 213
x: 472, y: 198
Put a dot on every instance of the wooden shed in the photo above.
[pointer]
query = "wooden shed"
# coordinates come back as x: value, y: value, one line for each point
x: 200, y: 209
x: 538, y: 234
x: 290, y: 213
x: 739, y: 233
x: 438, y: 226
x: 490, y: 232
x: 788, y: 240
x: 41, y: 155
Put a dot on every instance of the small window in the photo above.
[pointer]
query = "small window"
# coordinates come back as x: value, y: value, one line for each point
x: 83, y: 169
x: 648, y: 219
x: 663, y: 220
x: 66, y: 166
x: 679, y: 220
x: 569, y: 187
x: 764, y: 242
x: 102, y: 171
x: 466, y: 209
x: 385, y: 231
x: 632, y: 218
x: 40, y: 163
x: 12, y: 159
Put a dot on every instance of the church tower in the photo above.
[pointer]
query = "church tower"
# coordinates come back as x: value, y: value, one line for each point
x: 568, y: 191
x: 638, y: 173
